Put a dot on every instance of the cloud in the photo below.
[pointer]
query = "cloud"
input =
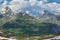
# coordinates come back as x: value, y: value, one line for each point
x: 18, y: 4
x: 33, y: 2
x: 54, y: 6
x: 5, y: 3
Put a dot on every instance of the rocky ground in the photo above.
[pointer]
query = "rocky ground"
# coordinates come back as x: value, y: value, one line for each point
x: 4, y: 38
x: 57, y: 38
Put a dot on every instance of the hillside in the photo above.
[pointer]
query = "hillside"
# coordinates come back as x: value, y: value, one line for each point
x: 27, y: 25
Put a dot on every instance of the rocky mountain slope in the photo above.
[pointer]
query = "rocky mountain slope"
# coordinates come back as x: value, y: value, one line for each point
x: 27, y: 25
x: 24, y: 24
x: 49, y: 16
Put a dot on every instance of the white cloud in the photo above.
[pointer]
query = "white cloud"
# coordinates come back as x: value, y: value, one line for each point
x: 52, y: 6
x: 33, y: 2
x: 5, y: 3
x: 17, y: 4
x: 44, y: 0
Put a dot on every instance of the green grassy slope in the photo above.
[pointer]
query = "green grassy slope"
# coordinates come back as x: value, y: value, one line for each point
x: 27, y: 25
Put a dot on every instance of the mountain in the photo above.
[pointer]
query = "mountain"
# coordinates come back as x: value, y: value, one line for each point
x: 6, y: 15
x: 40, y: 13
x: 47, y: 15
x: 58, y: 17
x: 28, y: 25
x: 32, y: 10
x: 6, y: 11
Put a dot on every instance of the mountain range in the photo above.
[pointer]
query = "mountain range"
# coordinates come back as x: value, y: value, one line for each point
x: 26, y: 23
x: 39, y: 13
x: 32, y: 11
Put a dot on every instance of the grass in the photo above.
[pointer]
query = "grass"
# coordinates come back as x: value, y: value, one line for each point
x: 33, y: 37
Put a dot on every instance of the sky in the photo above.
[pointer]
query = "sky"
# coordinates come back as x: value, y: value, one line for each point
x: 16, y: 5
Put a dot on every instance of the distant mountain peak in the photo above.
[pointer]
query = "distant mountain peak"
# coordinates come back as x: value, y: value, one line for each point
x: 46, y: 12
